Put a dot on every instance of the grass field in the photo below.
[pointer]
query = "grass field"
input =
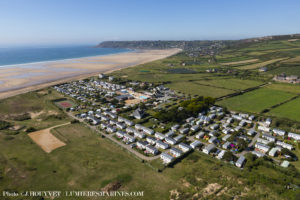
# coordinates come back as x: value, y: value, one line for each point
x: 289, y: 110
x: 285, y: 87
x: 196, y: 89
x: 87, y: 162
x: 240, y: 62
x: 261, y: 64
x: 256, y: 101
x: 230, y: 83
x: 37, y: 106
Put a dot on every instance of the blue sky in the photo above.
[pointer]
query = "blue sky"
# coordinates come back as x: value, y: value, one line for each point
x: 92, y: 21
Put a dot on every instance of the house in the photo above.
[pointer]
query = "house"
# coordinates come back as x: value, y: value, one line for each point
x: 213, y: 139
x: 148, y: 131
x: 170, y: 141
x: 111, y: 78
x: 111, y: 129
x: 279, y: 132
x: 141, y: 144
x: 221, y: 154
x: 130, y: 130
x: 103, y: 126
x: 200, y: 135
x: 138, y: 113
x: 251, y: 132
x: 188, y: 120
x: 294, y: 136
x: 176, y: 152
x: 128, y: 138
x: 178, y: 138
x: 214, y: 126
x: 240, y: 162
x: 175, y: 127
x: 120, y: 134
x: 285, y: 164
x: 195, y: 128
x: 184, y: 130
x: 120, y: 125
x: 269, y: 137
x: 229, y: 120
x: 101, y: 76
x: 225, y: 138
x: 169, y: 134
x: 263, y: 141
x: 159, y: 136
x: 273, y: 152
x: 226, y: 145
x: 263, y: 128
x: 285, y: 145
x: 184, y: 147
x: 263, y: 69
x: 151, y: 140
x: 195, y: 144
x: 209, y: 148
x: 139, y: 134
x: 161, y: 145
x: 112, y: 122
x: 258, y: 154
x: 152, y: 150
x: 262, y: 147
x: 251, y: 117
x: 268, y: 122
x: 226, y: 130
x: 166, y: 158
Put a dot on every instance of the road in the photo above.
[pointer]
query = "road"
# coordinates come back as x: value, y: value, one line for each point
x: 110, y: 137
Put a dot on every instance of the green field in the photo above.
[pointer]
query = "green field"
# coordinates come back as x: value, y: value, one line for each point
x: 289, y: 110
x: 87, y: 162
x: 230, y: 83
x: 36, y: 106
x: 256, y: 101
x: 196, y: 89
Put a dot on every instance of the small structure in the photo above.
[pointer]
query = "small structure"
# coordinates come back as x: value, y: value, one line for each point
x: 166, y: 158
x: 240, y: 162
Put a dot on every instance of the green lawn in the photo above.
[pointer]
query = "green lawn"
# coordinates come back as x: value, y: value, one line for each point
x: 196, y: 89
x: 256, y: 101
x: 289, y: 110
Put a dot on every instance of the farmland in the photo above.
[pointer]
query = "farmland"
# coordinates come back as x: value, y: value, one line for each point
x: 256, y: 101
x: 289, y: 110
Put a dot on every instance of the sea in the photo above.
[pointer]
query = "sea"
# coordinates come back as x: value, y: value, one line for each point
x: 12, y: 56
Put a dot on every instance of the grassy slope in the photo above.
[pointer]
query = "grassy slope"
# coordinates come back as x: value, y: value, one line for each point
x: 289, y: 110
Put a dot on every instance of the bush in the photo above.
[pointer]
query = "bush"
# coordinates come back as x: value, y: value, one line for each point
x: 74, y: 121
x: 30, y: 129
x: 4, y: 125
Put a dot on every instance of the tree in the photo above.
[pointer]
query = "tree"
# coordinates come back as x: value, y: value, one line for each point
x: 228, y: 156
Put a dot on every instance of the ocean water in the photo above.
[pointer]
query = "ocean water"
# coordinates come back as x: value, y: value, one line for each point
x: 23, y: 55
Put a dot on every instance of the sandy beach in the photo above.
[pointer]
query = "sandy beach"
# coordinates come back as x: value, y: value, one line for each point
x: 28, y: 77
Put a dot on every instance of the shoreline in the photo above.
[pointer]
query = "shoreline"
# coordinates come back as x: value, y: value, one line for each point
x: 64, y: 60
x: 74, y: 71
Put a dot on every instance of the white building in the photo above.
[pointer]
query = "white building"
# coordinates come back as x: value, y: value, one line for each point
x: 294, y: 136
x: 166, y: 158
x: 209, y: 148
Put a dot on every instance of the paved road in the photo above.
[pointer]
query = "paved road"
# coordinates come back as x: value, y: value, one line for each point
x: 110, y: 136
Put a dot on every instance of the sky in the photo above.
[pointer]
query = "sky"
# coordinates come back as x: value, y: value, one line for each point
x: 26, y: 22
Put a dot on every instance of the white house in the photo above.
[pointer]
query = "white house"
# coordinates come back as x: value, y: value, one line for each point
x: 120, y: 134
x: 184, y: 147
x: 200, y: 135
x: 120, y: 125
x: 285, y: 145
x: 213, y: 139
x: 263, y: 128
x: 195, y: 128
x: 151, y: 140
x: 262, y: 147
x: 226, y: 145
x: 159, y: 136
x: 141, y: 144
x: 263, y: 141
x: 139, y: 134
x: 209, y: 148
x: 166, y: 158
x: 269, y: 137
x: 294, y: 136
x: 170, y: 141
x: 195, y: 144
x: 221, y: 154
x: 161, y: 145
x: 184, y: 130
x: 129, y: 138
x: 176, y: 152
x: 251, y: 132
x: 240, y: 162
x: 178, y: 138
x: 279, y: 132
x: 151, y: 149
x: 258, y: 154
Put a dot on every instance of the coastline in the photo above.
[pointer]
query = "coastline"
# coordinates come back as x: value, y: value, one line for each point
x: 56, y: 72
